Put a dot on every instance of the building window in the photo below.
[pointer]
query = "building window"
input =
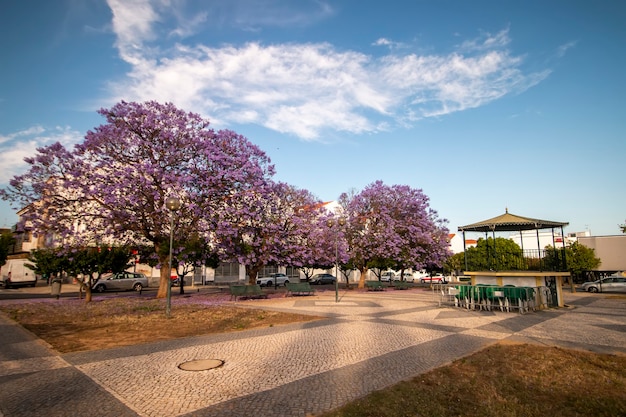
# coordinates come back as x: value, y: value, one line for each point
x: 268, y: 270
x: 292, y: 272
x: 227, y: 272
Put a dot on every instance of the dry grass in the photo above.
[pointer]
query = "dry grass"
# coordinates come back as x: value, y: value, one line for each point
x: 73, y: 325
x: 504, y: 380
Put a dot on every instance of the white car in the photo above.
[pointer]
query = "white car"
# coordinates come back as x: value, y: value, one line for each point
x: 435, y: 279
x: 405, y: 277
x: 389, y: 276
x: 273, y: 280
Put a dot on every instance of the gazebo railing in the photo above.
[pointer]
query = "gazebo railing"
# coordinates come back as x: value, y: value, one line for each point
x: 552, y: 260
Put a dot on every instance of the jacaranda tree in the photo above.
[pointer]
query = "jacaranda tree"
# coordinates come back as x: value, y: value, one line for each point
x: 395, y: 223
x: 114, y: 184
x: 264, y: 226
x: 324, y: 244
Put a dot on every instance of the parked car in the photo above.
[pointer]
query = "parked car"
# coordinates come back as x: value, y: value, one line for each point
x: 605, y: 284
x: 434, y: 279
x: 273, y: 280
x: 121, y: 281
x: 15, y: 273
x: 405, y: 277
x: 389, y: 276
x: 319, y: 279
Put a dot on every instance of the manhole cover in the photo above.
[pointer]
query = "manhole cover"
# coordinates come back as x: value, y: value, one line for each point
x: 201, y: 365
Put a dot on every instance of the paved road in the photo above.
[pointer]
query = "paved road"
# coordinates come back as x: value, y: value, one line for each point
x: 368, y: 341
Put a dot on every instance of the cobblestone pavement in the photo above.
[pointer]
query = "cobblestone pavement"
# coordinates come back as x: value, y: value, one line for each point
x: 367, y: 341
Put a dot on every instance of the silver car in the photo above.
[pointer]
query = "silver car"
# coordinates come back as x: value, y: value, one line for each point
x: 320, y: 279
x: 605, y: 284
x: 273, y: 280
x: 121, y: 281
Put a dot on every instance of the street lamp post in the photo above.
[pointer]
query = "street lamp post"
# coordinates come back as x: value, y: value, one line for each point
x: 341, y: 221
x: 172, y: 204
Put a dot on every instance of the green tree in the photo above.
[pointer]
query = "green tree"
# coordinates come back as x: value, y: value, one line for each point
x: 6, y: 241
x: 455, y: 263
x: 91, y: 262
x: 580, y: 258
x: 47, y: 262
x: 623, y: 227
x: 499, y: 254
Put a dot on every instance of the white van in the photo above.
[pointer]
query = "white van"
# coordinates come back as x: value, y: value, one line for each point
x: 15, y: 273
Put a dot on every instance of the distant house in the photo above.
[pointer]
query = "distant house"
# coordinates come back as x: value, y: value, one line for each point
x: 456, y: 242
x: 610, y: 249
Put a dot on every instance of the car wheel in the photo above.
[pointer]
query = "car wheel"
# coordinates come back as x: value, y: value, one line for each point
x: 423, y: 281
x: 137, y: 287
x: 286, y: 282
x: 593, y: 289
x: 100, y: 288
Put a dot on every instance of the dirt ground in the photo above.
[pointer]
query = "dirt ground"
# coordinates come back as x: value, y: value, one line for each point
x: 73, y: 325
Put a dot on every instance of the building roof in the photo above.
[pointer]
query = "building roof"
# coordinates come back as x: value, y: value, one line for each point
x: 509, y: 222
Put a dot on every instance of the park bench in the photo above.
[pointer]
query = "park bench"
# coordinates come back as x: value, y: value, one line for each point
x: 374, y: 286
x: 401, y: 285
x: 299, y: 288
x: 246, y: 291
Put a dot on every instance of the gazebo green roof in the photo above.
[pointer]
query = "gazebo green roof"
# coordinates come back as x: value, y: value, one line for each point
x: 509, y: 222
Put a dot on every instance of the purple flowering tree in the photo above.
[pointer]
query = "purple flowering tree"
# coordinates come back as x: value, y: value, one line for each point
x: 394, y: 223
x: 114, y: 184
x: 323, y: 244
x: 266, y: 226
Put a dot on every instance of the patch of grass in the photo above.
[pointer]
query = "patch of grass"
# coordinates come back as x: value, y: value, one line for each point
x: 506, y: 380
x: 73, y: 325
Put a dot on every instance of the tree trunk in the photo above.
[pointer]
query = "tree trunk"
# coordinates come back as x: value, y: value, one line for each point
x: 88, y: 285
x: 346, y: 275
x: 165, y: 278
x: 363, y: 271
x: 252, y: 271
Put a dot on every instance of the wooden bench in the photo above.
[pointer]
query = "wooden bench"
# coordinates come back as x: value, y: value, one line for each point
x: 401, y: 285
x: 246, y: 291
x: 374, y: 286
x: 299, y: 288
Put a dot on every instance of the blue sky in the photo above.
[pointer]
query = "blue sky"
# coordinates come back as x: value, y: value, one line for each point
x: 484, y: 105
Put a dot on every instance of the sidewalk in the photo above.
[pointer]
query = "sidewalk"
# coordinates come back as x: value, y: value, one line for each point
x: 368, y: 342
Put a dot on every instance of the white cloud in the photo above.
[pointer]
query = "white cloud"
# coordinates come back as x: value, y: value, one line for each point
x: 487, y: 41
x: 308, y: 89
x: 388, y: 43
x: 562, y: 50
x: 18, y: 145
x: 133, y: 25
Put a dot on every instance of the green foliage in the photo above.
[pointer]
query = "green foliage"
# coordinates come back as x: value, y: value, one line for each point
x: 6, y: 241
x: 186, y: 252
x: 580, y: 258
x: 455, y: 263
x: 47, y: 262
x: 85, y: 260
x: 382, y: 264
x: 501, y: 254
